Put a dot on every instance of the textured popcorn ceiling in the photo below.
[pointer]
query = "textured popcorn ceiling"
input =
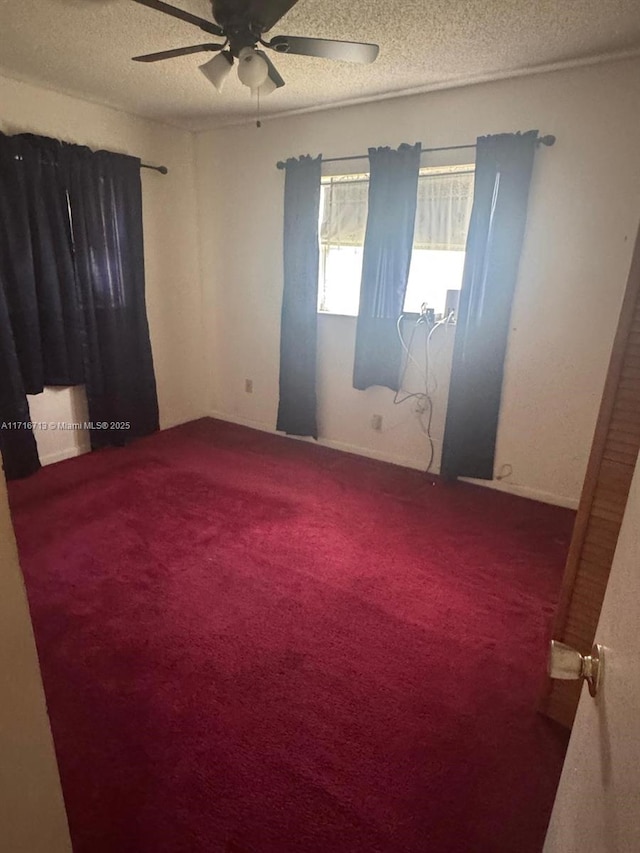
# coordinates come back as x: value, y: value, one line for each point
x: 84, y: 47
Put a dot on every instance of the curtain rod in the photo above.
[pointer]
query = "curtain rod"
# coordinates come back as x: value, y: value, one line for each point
x: 547, y: 140
x: 162, y: 169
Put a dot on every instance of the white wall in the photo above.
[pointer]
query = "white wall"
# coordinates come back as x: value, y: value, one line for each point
x: 32, y: 815
x: 171, y: 250
x: 583, y: 215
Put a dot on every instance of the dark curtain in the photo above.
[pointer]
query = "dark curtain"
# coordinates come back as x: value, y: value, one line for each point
x: 503, y: 173
x: 17, y: 442
x: 388, y: 244
x: 72, y: 302
x: 106, y: 210
x: 297, y: 409
x: 39, y: 321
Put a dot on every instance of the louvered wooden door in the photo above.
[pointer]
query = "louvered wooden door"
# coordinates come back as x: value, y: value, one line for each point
x: 604, y: 496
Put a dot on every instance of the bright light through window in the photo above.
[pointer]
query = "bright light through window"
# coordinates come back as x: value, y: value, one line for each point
x: 445, y: 196
x: 433, y: 272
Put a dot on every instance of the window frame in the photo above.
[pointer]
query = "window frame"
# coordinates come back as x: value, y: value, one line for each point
x: 464, y: 168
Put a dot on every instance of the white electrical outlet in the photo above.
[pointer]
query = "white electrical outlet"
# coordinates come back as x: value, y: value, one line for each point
x: 248, y: 386
x: 376, y: 422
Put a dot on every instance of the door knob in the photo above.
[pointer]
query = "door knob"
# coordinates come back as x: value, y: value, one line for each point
x: 568, y: 664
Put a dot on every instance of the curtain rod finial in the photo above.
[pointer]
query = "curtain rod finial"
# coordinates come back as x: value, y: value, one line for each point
x: 280, y: 164
x: 547, y: 140
x: 162, y: 169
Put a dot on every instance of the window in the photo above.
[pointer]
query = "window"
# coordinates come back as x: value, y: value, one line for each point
x: 445, y: 196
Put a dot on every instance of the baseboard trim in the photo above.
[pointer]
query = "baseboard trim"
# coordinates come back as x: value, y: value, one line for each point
x: 370, y: 453
x: 72, y: 452
x: 61, y: 455
x: 248, y: 422
x: 343, y: 447
x: 405, y: 462
x: 525, y: 492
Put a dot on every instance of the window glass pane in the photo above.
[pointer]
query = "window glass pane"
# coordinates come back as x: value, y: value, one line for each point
x: 340, y: 272
x: 445, y: 196
x: 343, y: 216
x: 433, y: 272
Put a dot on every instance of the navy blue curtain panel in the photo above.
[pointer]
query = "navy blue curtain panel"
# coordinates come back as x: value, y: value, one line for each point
x: 72, y: 307
x: 388, y: 245
x: 37, y: 262
x: 17, y: 442
x: 105, y: 197
x: 40, y: 334
x: 298, y: 334
x: 504, y: 164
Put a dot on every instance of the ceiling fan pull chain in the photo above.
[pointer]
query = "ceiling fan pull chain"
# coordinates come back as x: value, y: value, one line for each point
x: 258, y: 122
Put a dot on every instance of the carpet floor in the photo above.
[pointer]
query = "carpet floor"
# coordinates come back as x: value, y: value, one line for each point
x: 259, y: 645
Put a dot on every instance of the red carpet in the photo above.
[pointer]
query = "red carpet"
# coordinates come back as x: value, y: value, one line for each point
x: 255, y: 644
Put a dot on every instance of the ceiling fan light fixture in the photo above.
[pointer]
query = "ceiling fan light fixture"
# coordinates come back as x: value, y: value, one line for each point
x: 242, y: 25
x: 267, y: 88
x: 253, y: 70
x: 217, y: 69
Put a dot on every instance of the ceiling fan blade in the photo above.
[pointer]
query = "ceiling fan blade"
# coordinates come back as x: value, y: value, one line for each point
x: 179, y: 51
x: 274, y: 74
x: 347, y: 51
x: 262, y: 14
x: 159, y: 6
x: 267, y: 13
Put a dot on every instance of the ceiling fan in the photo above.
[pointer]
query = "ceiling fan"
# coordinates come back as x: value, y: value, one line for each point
x: 242, y: 24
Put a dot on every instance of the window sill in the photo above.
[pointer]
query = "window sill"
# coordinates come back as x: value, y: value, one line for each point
x: 409, y: 316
